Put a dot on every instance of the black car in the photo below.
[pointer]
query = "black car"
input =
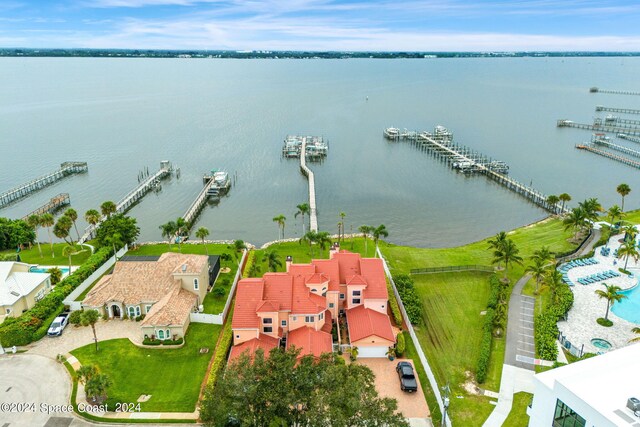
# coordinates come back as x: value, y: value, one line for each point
x: 407, y: 378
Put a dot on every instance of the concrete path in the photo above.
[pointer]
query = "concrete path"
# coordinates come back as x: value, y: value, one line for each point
x: 73, y: 337
x: 520, y: 346
x: 513, y: 380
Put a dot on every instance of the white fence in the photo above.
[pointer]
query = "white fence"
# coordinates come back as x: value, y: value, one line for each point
x: 218, y: 319
x: 76, y: 305
x: 423, y: 358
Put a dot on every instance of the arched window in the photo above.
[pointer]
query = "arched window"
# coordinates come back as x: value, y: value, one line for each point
x: 168, y: 334
x: 132, y: 311
x: 160, y: 334
x: 196, y: 286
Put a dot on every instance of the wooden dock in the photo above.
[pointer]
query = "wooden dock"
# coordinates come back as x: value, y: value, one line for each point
x: 445, y: 149
x: 619, y: 120
x: 608, y: 144
x: 192, y: 213
x: 24, y: 190
x: 613, y: 92
x: 313, y: 213
x: 51, y: 206
x: 592, y: 148
x: 600, y: 127
x: 132, y: 197
x: 617, y: 110
x: 629, y: 138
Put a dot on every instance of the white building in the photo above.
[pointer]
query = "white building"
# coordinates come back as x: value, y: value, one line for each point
x: 590, y: 393
x: 20, y: 289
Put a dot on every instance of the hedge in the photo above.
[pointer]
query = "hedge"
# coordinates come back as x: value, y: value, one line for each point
x: 393, y: 304
x: 28, y: 327
x: 485, y: 347
x: 220, y: 357
x: 545, y: 325
x: 247, y: 266
x: 410, y: 299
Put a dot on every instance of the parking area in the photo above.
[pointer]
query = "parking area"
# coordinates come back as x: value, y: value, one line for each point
x: 412, y: 405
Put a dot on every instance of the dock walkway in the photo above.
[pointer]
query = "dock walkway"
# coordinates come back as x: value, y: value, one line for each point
x: 51, y: 206
x: 600, y: 127
x: 592, y: 148
x: 131, y: 198
x: 313, y: 213
x: 616, y: 147
x: 617, y: 110
x: 193, y: 210
x: 449, y: 152
x: 613, y: 92
x: 24, y: 190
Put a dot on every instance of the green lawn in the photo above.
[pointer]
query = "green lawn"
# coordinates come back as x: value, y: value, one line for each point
x: 212, y: 304
x: 32, y: 256
x: 172, y: 377
x: 518, y: 416
x: 451, y: 338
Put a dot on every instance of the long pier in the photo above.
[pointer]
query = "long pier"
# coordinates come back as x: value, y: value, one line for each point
x: 51, y: 206
x: 132, y: 197
x: 24, y: 190
x: 616, y: 147
x: 629, y: 138
x: 617, y: 110
x: 617, y: 120
x: 313, y: 212
x: 193, y: 210
x: 597, y: 126
x: 444, y: 148
x: 614, y: 92
x: 591, y: 147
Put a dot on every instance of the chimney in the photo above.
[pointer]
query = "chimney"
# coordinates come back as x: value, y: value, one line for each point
x: 335, y: 248
x: 288, y: 262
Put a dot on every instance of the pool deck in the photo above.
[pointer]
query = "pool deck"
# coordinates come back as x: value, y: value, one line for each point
x: 581, y: 325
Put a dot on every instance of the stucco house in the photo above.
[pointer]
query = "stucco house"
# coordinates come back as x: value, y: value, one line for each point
x: 298, y: 307
x: 20, y: 289
x: 164, y: 289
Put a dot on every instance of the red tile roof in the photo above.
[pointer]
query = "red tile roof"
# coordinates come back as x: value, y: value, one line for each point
x: 310, y: 341
x: 372, y: 270
x: 264, y: 342
x: 348, y: 264
x: 268, y: 307
x: 248, y: 296
x: 330, y: 268
x: 278, y: 288
x: 364, y: 322
x: 304, y: 302
x: 304, y: 269
x: 356, y: 280
x: 328, y: 322
x: 317, y: 279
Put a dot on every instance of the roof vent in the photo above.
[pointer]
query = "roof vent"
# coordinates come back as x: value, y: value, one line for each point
x: 184, y: 268
x: 15, y: 294
x: 633, y: 404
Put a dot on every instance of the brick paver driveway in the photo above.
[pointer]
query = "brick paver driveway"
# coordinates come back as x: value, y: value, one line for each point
x: 412, y: 405
x: 74, y: 337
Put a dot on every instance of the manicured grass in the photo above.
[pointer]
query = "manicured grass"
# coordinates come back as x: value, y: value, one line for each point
x: 451, y: 335
x: 32, y: 256
x: 518, y: 416
x: 631, y: 216
x: 412, y: 353
x: 212, y: 304
x: 171, y: 376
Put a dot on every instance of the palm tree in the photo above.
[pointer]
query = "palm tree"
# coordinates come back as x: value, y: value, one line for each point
x: 201, y: 233
x: 365, y: 230
x: 61, y: 229
x: 564, y: 198
x: 73, y: 216
x: 553, y: 281
x: 181, y: 229
x: 68, y: 251
x: 591, y: 208
x: 635, y: 331
x: 114, y: 240
x: 273, y: 260
x: 342, y: 215
x: 508, y: 253
x: 628, y: 249
x: 92, y: 216
x: 576, y: 219
x: 614, y: 212
x: 34, y: 223
x: 168, y: 230
x: 623, y: 190
x: 611, y: 294
x: 538, y: 270
x: 552, y: 201
x: 280, y: 219
x: 380, y: 231
x: 323, y: 239
x: 90, y: 317
x: 303, y: 209
x: 108, y: 208
x: 545, y: 255
x: 498, y: 242
x: 310, y: 237
x: 238, y: 246
x: 46, y: 220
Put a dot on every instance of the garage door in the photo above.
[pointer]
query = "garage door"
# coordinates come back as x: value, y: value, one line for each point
x: 372, y: 351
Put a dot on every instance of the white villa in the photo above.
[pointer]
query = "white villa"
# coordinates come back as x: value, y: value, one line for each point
x: 20, y: 289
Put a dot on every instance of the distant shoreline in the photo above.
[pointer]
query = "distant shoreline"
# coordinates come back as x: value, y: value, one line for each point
x: 265, y: 54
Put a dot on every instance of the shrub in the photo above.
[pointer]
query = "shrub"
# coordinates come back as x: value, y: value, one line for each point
x: 74, y: 317
x: 218, y: 291
x: 494, y: 297
x: 220, y: 357
x: 393, y: 305
x: 172, y: 342
x: 149, y: 341
x: 141, y: 317
x: 400, y: 344
x: 248, y: 266
x: 604, y: 322
x: 545, y: 334
x: 623, y: 271
x: 485, y: 347
x: 410, y: 299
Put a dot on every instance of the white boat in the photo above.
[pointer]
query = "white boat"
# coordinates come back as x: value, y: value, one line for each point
x: 392, y: 133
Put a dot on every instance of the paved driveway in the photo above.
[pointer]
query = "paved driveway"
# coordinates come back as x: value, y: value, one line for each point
x: 412, y: 405
x: 74, y: 337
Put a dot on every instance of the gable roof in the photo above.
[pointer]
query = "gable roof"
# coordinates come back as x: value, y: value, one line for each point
x: 248, y: 295
x: 330, y: 268
x: 16, y: 284
x: 310, y: 341
x: 373, y: 271
x: 172, y: 309
x: 364, y: 322
x: 264, y: 342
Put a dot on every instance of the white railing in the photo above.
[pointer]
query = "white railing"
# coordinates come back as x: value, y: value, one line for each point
x: 71, y: 299
x: 414, y: 337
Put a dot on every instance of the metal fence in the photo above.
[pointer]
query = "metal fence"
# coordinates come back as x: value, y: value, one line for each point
x: 452, y: 268
x: 575, y: 350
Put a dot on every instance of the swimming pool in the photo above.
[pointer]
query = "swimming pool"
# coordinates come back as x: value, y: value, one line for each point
x: 44, y: 270
x: 629, y: 308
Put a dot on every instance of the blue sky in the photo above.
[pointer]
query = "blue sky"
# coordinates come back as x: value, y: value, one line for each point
x: 348, y: 25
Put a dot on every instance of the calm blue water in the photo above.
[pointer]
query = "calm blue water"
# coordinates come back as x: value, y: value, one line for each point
x: 44, y: 270
x: 122, y: 115
x: 629, y: 308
